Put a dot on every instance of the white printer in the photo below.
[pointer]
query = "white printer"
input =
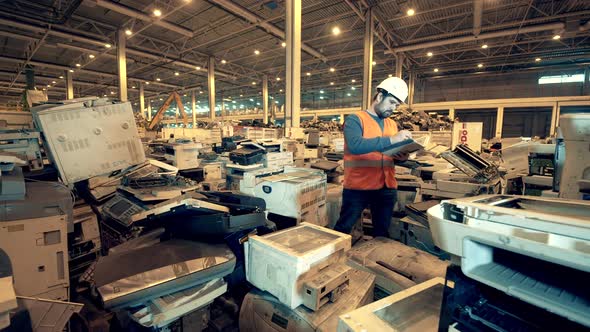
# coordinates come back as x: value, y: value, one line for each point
x: 534, y: 249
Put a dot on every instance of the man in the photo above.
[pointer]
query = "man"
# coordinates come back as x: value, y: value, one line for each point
x: 369, y: 175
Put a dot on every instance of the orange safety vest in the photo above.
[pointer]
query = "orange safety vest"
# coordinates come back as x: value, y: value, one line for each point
x: 373, y: 170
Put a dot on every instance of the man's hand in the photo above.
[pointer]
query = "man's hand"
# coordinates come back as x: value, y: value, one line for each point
x: 402, y: 156
x: 402, y: 135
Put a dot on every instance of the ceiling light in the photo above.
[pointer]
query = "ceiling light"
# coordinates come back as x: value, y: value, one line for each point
x: 78, y: 65
x: 390, y: 75
x: 91, y: 56
x: 556, y: 37
x: 332, y: 69
x: 112, y: 92
x: 321, y: 97
x: 241, y: 95
x: 157, y: 13
x: 479, y: 65
x: 201, y: 92
x: 147, y: 83
x: 374, y: 63
x: 331, y: 83
x: 108, y: 45
x: 353, y: 80
x: 223, y: 61
x: 253, y: 83
x: 256, y: 52
x: 128, y: 32
x: 71, y: 70
x: 436, y: 70
x: 53, y: 82
x: 321, y: 91
x: 335, y: 31
x: 198, y: 68
x: 284, y: 44
x: 308, y: 74
x: 411, y: 12
x: 161, y: 99
x: 158, y: 79
x: 176, y: 73
x: 61, y: 77
x: 348, y: 94
x: 104, y: 95
x: 537, y: 59
x: 185, y: 94
x: 352, y: 88
x: 484, y: 46
x: 133, y: 87
x: 281, y: 90
x: 278, y: 78
x: 429, y: 54
x: 49, y: 85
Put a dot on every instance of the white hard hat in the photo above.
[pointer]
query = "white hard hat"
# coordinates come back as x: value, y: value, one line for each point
x: 396, y: 87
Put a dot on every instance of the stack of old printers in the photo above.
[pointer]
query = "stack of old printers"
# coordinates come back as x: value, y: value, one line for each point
x: 302, y: 283
x: 169, y: 247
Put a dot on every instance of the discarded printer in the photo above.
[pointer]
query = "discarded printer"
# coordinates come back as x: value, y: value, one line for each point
x: 138, y: 273
x: 77, y: 131
x: 284, y: 263
x: 192, y: 214
x: 529, y: 252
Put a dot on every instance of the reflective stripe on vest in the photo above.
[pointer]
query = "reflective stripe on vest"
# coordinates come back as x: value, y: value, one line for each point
x: 369, y: 163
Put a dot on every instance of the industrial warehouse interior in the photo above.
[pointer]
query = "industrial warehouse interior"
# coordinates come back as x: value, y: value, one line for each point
x: 289, y: 165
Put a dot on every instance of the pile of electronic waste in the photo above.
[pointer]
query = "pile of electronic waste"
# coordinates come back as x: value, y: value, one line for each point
x: 421, y: 121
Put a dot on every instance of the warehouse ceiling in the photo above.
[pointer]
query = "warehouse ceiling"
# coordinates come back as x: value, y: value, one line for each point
x: 170, y: 51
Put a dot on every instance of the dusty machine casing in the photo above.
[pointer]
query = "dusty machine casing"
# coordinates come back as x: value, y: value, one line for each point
x: 78, y: 131
x: 531, y: 248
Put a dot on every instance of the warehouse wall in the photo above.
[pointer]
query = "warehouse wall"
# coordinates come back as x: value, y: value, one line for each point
x: 509, y: 85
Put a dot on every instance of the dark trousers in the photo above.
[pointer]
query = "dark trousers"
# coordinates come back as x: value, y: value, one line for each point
x: 354, y: 202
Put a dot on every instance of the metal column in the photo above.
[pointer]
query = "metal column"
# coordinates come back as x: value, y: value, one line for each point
x: 554, y: 119
x: 122, y: 64
x: 141, y: 100
x: 399, y: 64
x: 194, y: 108
x: 452, y: 113
x: 499, y: 121
x: 149, y: 110
x: 586, y: 84
x: 368, y: 59
x: 265, y: 99
x: 411, y: 85
x: 69, y: 85
x: 293, y: 61
x: 211, y: 81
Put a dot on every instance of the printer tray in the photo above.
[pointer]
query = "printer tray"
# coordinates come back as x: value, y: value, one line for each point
x: 132, y: 277
x: 187, y: 224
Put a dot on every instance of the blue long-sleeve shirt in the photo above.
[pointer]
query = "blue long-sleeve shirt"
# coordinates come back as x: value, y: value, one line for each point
x: 353, y: 135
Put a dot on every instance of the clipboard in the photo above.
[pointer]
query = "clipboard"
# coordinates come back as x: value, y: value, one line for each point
x: 408, y: 146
